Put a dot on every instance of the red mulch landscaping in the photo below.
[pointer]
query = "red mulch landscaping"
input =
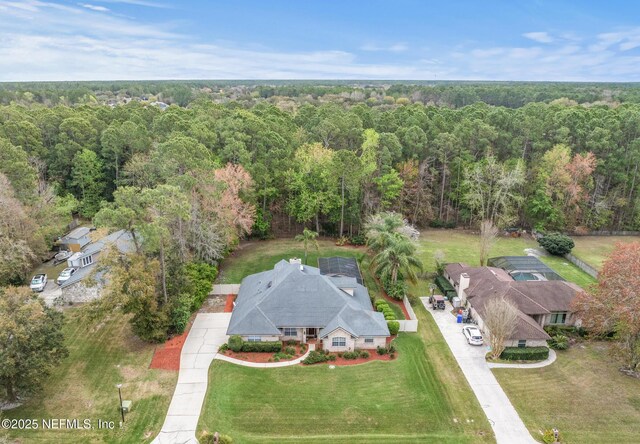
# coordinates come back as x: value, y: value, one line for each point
x: 228, y: 307
x: 373, y: 356
x: 394, y: 301
x: 167, y: 355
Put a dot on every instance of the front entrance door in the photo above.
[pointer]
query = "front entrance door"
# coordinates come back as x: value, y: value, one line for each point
x: 312, y: 332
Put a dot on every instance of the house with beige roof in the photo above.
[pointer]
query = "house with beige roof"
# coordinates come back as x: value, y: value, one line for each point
x: 539, y: 302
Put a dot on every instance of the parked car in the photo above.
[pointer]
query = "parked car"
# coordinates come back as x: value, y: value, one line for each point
x: 65, y: 275
x: 62, y: 256
x: 38, y: 282
x: 473, y: 335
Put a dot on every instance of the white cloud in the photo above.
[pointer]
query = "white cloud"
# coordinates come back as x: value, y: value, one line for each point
x: 396, y: 47
x: 138, y: 3
x: 94, y: 7
x: 540, y: 37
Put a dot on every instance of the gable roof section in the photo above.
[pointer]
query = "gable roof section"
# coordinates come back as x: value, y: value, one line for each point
x: 291, y: 295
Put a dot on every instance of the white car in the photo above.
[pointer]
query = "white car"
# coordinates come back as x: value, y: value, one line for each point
x: 473, y: 335
x: 65, y: 275
x: 38, y: 282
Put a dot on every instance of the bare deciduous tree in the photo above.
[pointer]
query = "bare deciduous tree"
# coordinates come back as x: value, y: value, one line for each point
x: 488, y: 234
x: 500, y: 319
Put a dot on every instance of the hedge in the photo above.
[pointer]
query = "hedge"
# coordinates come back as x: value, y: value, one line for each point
x: 394, y: 327
x: 262, y: 347
x: 235, y: 343
x: 525, y: 353
x: 445, y: 287
x: 317, y: 356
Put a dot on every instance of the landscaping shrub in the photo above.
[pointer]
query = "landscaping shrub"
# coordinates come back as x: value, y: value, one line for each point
x: 381, y: 350
x: 364, y: 354
x: 261, y: 347
x: 397, y: 290
x: 358, y: 239
x: 381, y: 304
x: 351, y: 355
x: 389, y: 316
x: 391, y: 348
x: 280, y: 355
x: 559, y: 342
x: 208, y: 438
x: 291, y: 342
x: 557, y: 244
x: 332, y: 357
x: 342, y: 241
x: 180, y: 313
x: 549, y: 437
x: 525, y: 353
x: 394, y: 327
x: 223, y: 348
x: 317, y: 356
x: 290, y: 350
x: 235, y: 343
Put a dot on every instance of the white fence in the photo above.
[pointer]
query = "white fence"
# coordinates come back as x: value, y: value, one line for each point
x: 411, y: 324
x: 226, y: 289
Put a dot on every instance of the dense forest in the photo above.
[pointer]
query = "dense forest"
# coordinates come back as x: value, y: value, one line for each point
x: 192, y: 180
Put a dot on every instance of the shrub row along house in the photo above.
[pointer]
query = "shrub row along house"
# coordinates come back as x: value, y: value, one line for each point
x: 540, y: 295
x: 298, y: 302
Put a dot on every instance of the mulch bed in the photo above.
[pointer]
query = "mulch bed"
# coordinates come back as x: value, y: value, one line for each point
x: 167, y: 355
x: 391, y: 300
x: 228, y: 307
x: 373, y: 356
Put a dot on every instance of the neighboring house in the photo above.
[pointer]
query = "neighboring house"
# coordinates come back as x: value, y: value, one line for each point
x: 540, y: 303
x: 296, y: 302
x: 75, y: 240
x: 76, y: 288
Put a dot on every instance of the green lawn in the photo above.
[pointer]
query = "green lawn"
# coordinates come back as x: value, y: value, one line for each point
x: 405, y: 400
x: 420, y: 397
x: 462, y: 246
x: 101, y: 355
x: 595, y: 249
x: 582, y: 394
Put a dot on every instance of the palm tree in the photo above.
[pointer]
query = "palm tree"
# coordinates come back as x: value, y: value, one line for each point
x: 308, y: 237
x: 398, y: 260
x: 380, y: 228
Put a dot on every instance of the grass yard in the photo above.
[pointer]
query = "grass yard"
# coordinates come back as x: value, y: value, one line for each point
x: 255, y: 256
x: 595, y: 249
x: 407, y: 400
x: 101, y: 355
x: 582, y: 394
x: 462, y: 246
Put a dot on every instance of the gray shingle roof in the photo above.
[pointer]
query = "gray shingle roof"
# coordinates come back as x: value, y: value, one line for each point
x: 295, y: 296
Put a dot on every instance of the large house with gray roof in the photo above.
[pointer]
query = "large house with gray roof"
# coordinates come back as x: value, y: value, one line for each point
x: 540, y: 302
x: 296, y: 302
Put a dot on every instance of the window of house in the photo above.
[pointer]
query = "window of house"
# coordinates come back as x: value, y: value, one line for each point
x: 287, y: 331
x: 522, y: 343
x: 559, y: 317
x: 254, y: 339
x: 339, y: 341
x: 87, y: 261
x: 368, y: 340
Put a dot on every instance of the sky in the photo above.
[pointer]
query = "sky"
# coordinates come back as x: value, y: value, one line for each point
x: 320, y: 39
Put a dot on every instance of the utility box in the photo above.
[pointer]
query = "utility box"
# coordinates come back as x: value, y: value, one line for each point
x: 126, y: 406
x: 455, y: 302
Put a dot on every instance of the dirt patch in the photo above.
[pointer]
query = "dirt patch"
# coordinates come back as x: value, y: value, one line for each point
x: 214, y: 304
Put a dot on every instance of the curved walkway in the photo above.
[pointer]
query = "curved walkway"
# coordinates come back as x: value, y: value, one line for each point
x: 505, y: 421
x: 550, y: 360
x: 265, y: 364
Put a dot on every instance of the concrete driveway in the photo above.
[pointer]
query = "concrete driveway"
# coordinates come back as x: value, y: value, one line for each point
x: 506, y: 424
x: 207, y: 334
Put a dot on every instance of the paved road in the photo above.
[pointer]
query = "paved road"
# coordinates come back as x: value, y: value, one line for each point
x: 506, y: 424
x: 207, y: 333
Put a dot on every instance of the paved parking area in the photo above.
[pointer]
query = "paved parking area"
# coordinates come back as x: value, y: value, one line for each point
x: 506, y: 424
